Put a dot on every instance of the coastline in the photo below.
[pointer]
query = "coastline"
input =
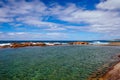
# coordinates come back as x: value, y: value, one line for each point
x: 108, y: 72
x: 113, y: 73
x: 26, y: 44
x: 103, y: 74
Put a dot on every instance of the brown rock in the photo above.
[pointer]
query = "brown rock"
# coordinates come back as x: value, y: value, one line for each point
x: 119, y: 56
x: 114, y: 43
x: 17, y: 45
x: 5, y: 46
x: 79, y: 43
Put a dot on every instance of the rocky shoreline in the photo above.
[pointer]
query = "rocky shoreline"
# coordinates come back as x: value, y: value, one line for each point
x: 26, y: 44
x: 108, y: 71
x: 114, y: 73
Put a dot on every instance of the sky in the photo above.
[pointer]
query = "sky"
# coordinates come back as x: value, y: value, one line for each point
x: 59, y: 19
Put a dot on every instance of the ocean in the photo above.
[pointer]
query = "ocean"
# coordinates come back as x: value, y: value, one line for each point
x: 71, y: 62
x: 52, y: 41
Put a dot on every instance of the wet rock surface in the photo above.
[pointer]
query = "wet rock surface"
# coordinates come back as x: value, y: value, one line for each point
x: 79, y: 43
x: 108, y: 71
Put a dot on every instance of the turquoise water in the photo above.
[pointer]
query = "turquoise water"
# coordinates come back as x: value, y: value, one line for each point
x: 53, y: 62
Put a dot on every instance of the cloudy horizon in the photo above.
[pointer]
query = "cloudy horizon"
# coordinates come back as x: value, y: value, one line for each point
x: 59, y: 20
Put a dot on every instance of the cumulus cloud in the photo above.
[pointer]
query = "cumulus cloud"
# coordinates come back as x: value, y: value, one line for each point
x: 99, y: 20
x: 109, y: 5
x: 104, y: 19
x: 31, y: 36
x: 13, y: 9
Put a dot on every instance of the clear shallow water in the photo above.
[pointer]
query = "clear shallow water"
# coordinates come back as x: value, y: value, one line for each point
x: 53, y: 63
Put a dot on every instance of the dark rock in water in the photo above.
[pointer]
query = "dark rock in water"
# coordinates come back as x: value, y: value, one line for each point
x: 5, y: 46
x: 79, y: 43
x: 119, y: 56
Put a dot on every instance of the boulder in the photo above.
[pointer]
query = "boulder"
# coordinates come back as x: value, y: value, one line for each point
x: 79, y: 43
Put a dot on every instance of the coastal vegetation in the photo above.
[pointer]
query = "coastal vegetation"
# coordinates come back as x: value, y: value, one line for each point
x: 54, y: 62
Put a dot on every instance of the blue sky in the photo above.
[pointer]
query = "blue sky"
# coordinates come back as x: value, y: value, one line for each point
x: 59, y: 19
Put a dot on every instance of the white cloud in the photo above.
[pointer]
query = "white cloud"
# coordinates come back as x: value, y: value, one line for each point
x: 30, y: 13
x: 35, y: 21
x: 16, y: 33
x: 21, y: 9
x: 105, y: 19
x: 100, y: 21
x: 5, y: 20
x: 55, y: 34
x: 32, y: 36
x: 56, y: 28
x: 109, y: 5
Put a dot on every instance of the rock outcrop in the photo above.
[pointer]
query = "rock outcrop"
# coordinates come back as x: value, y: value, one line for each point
x: 17, y: 45
x: 79, y: 43
x: 5, y: 46
x: 26, y: 44
x: 108, y: 71
x: 114, y: 43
